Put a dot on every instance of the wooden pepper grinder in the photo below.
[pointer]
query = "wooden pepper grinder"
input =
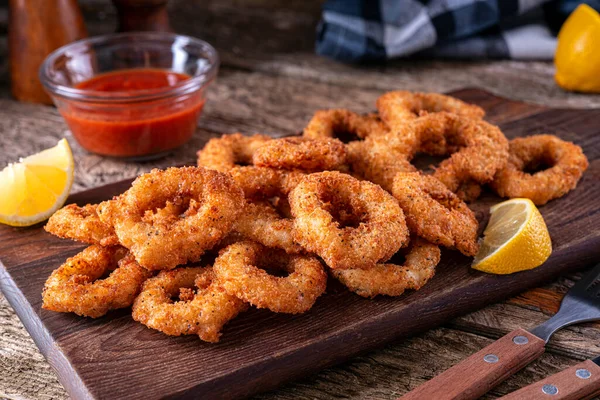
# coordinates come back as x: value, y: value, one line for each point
x: 142, y: 15
x: 36, y: 28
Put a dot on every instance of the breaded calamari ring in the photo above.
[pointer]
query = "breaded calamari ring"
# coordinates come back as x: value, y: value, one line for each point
x: 300, y: 153
x: 173, y: 216
x: 204, y: 307
x: 401, y: 106
x: 76, y: 286
x: 260, y: 221
x: 337, y: 123
x: 477, y: 149
x: 81, y: 224
x: 566, y: 164
x: 435, y: 213
x: 228, y: 151
x: 265, y: 183
x: 378, y: 159
x: 347, y: 222
x: 239, y: 268
x: 421, y: 258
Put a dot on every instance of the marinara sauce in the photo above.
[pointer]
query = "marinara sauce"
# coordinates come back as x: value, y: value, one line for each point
x: 138, y: 127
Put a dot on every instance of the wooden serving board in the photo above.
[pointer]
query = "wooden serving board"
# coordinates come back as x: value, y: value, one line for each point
x: 116, y: 357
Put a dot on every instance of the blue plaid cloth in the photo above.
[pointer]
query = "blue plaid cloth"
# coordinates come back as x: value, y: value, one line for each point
x: 375, y: 30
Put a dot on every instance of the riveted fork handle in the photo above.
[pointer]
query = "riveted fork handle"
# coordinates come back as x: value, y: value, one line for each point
x: 476, y: 375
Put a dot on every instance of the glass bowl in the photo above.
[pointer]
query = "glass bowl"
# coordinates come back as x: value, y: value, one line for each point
x: 141, y: 122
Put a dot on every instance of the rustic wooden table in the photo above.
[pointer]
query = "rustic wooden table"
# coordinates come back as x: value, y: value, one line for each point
x: 271, y: 82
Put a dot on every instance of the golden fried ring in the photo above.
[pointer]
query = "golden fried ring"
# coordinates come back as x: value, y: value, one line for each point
x: 323, y: 202
x: 76, y: 286
x: 300, y: 153
x: 172, y: 217
x: 566, y: 163
x: 336, y: 123
x: 238, y: 269
x: 260, y: 221
x: 228, y: 151
x: 399, y: 107
x: 203, y: 311
x: 81, y: 224
x: 435, y: 213
x: 421, y: 258
x: 379, y: 158
x: 265, y: 183
x: 477, y: 149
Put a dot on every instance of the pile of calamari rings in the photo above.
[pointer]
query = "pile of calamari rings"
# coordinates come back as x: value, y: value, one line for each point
x: 278, y: 216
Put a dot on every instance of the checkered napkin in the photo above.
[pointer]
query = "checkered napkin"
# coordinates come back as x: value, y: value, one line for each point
x: 375, y: 30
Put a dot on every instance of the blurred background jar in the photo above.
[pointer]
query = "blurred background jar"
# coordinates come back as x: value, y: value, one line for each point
x: 36, y: 28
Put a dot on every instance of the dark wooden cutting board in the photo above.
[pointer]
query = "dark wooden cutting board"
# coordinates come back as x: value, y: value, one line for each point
x: 115, y: 357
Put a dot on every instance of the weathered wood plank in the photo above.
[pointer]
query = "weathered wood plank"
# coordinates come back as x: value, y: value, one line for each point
x: 579, y: 341
x: 401, y: 367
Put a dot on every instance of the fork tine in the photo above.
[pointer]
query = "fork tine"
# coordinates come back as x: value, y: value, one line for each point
x: 589, y: 285
x: 580, y: 304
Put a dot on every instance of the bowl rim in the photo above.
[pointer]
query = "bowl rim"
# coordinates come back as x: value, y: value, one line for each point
x: 188, y: 86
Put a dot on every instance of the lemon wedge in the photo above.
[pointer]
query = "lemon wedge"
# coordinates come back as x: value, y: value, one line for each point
x: 36, y: 186
x: 515, y: 239
x: 577, y: 57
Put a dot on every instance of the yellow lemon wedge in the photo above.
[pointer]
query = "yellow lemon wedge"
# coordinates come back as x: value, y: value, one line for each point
x: 515, y: 239
x: 35, y: 187
x: 577, y: 57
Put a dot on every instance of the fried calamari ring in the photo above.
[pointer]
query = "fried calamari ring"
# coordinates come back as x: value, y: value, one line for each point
x: 435, y: 213
x: 336, y: 123
x: 172, y: 217
x: 76, y: 286
x: 203, y: 307
x: 379, y: 158
x: 565, y: 161
x: 239, y: 268
x: 260, y: 221
x: 477, y: 149
x: 421, y: 258
x: 301, y: 153
x: 228, y: 151
x: 347, y: 222
x: 399, y: 107
x: 265, y: 183
x: 81, y: 224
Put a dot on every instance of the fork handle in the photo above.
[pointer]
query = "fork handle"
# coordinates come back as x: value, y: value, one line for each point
x: 473, y: 377
x: 581, y: 381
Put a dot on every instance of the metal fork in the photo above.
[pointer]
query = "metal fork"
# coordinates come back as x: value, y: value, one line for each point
x: 473, y: 377
x: 580, y: 304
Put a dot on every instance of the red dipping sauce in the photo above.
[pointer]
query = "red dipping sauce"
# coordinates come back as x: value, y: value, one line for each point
x: 150, y: 119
